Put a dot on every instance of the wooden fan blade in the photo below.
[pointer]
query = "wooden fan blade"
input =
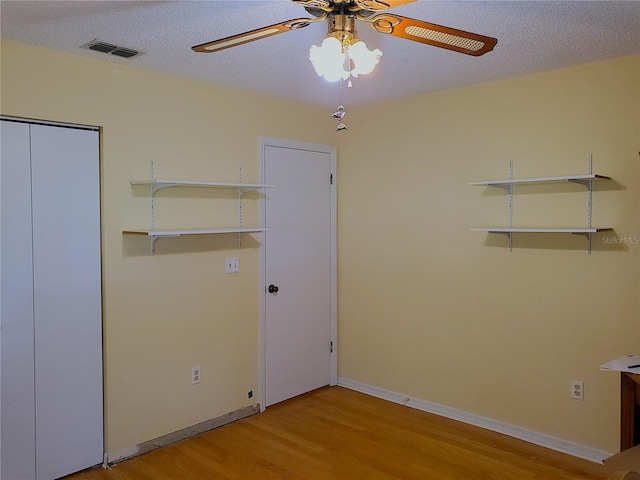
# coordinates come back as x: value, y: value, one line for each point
x: 432, y: 34
x: 324, y: 5
x: 380, y: 5
x: 253, y: 35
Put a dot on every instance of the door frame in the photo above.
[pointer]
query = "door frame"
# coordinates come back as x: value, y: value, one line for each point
x: 262, y: 284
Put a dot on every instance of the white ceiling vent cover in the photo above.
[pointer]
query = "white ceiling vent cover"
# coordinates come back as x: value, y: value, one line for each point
x: 111, y: 49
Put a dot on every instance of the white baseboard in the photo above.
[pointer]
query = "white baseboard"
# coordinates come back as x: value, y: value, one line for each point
x: 548, y: 441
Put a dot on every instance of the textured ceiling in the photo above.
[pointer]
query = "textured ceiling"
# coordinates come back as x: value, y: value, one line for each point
x: 532, y: 36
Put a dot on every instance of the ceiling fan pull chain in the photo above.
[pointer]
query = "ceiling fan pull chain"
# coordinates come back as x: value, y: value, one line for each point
x: 348, y: 63
x: 340, y: 113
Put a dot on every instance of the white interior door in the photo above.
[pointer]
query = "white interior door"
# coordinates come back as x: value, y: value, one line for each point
x: 299, y: 260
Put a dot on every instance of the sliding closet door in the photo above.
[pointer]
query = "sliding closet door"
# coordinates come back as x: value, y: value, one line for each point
x: 50, y: 285
x: 17, y: 420
x: 67, y: 299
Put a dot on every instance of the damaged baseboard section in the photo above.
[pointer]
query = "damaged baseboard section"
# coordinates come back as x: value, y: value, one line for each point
x: 163, y: 441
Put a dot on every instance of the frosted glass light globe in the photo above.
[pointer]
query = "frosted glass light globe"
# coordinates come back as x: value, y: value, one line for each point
x: 364, y: 60
x: 328, y: 60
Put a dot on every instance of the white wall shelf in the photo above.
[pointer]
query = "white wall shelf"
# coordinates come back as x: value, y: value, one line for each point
x: 159, y: 183
x: 156, y: 184
x: 508, y: 184
x: 538, y: 230
x: 524, y: 181
x: 176, y: 232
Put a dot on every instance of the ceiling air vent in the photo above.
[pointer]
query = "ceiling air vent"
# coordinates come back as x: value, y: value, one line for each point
x: 111, y: 49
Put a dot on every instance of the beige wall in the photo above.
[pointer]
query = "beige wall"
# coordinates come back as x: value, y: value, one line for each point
x: 166, y: 313
x: 434, y: 311
x: 426, y: 307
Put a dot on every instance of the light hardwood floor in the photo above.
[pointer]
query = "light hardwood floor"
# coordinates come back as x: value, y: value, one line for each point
x: 336, y: 433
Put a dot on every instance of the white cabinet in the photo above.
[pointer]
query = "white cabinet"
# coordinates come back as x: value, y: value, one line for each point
x: 51, y: 309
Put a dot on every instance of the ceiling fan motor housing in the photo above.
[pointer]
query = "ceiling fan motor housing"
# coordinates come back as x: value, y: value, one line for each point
x: 343, y: 27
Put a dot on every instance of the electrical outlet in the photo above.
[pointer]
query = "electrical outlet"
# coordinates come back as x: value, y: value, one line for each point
x: 195, y: 375
x: 577, y: 390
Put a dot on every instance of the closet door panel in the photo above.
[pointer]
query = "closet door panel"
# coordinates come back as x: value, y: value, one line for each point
x: 17, y: 418
x: 67, y: 305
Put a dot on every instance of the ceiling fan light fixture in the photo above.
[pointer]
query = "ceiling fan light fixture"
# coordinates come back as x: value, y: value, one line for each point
x: 329, y: 60
x: 364, y: 60
x: 335, y: 60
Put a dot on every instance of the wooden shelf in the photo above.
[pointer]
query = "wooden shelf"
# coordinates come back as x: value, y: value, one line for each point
x: 524, y: 181
x: 160, y: 183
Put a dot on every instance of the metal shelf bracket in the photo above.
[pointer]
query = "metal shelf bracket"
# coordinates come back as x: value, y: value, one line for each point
x: 240, y: 194
x: 589, y: 185
x: 154, y: 238
x: 588, y: 237
x: 509, y: 189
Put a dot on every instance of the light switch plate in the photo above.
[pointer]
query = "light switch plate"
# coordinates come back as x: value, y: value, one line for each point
x: 231, y: 265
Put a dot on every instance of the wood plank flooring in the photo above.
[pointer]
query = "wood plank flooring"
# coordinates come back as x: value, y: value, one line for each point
x: 335, y: 433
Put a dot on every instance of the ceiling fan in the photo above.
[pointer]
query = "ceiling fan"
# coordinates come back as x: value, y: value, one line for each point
x: 341, y: 16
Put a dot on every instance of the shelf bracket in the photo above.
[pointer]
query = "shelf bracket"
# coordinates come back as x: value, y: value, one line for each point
x: 153, y: 190
x: 153, y: 243
x: 152, y: 208
x: 509, y: 236
x: 588, y: 237
x: 511, y: 206
x: 152, y: 205
x: 589, y: 185
x: 154, y: 238
x: 240, y: 194
x: 151, y: 199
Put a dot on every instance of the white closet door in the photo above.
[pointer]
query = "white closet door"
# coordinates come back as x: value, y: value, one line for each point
x: 17, y: 421
x: 67, y: 299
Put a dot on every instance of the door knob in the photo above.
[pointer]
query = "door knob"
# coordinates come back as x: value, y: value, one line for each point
x: 273, y: 289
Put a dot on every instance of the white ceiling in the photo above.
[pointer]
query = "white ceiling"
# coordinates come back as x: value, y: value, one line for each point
x: 532, y: 36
